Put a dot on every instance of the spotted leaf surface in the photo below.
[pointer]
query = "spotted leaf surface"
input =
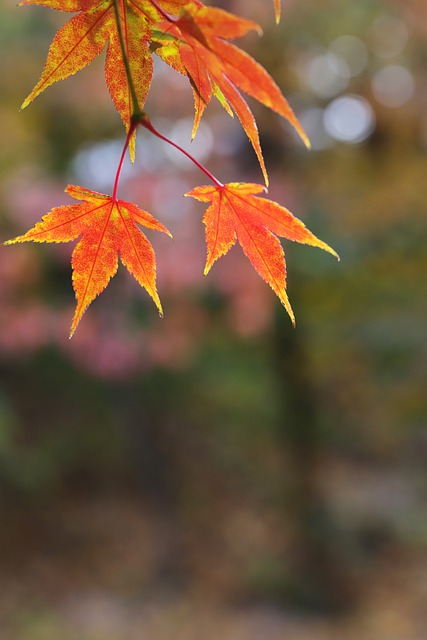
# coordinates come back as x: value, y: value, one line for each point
x: 107, y: 228
x: 196, y: 44
x: 85, y: 36
x: 236, y: 212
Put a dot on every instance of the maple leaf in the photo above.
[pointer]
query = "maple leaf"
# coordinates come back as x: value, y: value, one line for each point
x: 107, y: 227
x: 84, y: 37
x: 236, y: 212
x: 195, y: 44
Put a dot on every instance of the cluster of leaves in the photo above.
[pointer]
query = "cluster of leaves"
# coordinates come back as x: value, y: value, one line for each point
x: 194, y: 40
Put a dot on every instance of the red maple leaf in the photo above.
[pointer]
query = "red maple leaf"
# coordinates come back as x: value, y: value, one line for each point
x: 107, y: 227
x: 195, y: 44
x: 236, y: 212
x: 193, y: 39
x: 189, y: 36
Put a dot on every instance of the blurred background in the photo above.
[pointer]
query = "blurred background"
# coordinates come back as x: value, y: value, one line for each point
x: 217, y: 473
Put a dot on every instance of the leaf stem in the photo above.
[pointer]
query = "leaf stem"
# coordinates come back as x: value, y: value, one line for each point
x: 162, y: 12
x: 137, y: 111
x: 122, y: 157
x: 145, y: 122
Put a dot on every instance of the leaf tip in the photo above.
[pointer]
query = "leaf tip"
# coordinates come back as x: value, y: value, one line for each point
x: 74, y: 324
x: 304, y: 137
x: 277, y: 10
x: 155, y: 297
x: 291, y: 315
x: 329, y: 249
x: 285, y: 301
x: 322, y: 245
x: 27, y: 101
x: 264, y: 171
x: 300, y: 131
x: 16, y: 240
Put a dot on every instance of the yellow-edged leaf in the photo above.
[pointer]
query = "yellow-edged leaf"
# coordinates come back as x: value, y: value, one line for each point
x: 107, y: 228
x: 237, y: 212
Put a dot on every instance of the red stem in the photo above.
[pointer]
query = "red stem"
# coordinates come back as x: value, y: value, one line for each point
x: 145, y: 122
x: 122, y: 157
x: 163, y: 13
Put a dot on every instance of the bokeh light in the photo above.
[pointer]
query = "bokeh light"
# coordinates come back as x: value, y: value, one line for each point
x: 393, y: 85
x: 387, y: 36
x: 349, y: 119
x: 353, y: 50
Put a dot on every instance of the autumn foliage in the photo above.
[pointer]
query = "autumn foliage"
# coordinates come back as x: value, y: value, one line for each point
x: 193, y: 39
x: 106, y: 227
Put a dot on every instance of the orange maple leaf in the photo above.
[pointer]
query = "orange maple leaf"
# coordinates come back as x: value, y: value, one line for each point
x: 236, y: 212
x: 195, y: 44
x: 84, y: 37
x: 107, y: 227
x: 188, y: 35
